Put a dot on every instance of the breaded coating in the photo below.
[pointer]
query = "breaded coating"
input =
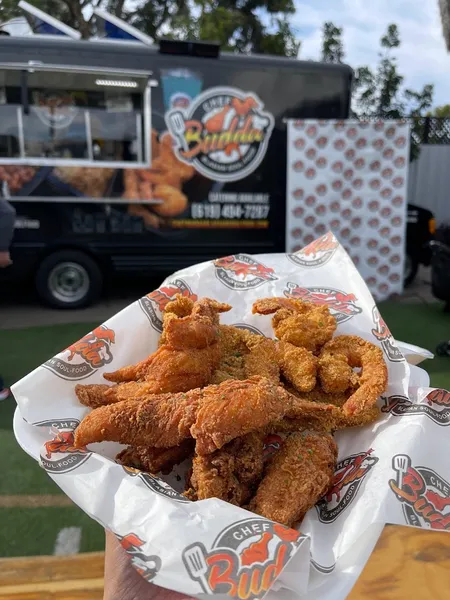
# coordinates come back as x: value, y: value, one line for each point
x: 373, y: 377
x: 302, y: 324
x: 159, y: 421
x: 156, y: 460
x: 92, y: 395
x: 231, y: 473
x: 263, y: 360
x: 296, y: 478
x: 336, y: 375
x: 299, y: 366
x: 235, y: 408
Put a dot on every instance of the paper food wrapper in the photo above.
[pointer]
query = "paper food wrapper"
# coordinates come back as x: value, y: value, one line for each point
x: 390, y: 472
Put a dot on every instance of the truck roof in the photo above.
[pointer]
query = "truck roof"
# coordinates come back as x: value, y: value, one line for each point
x: 20, y: 49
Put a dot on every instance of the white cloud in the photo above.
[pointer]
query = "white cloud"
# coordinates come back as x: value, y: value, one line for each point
x: 422, y: 56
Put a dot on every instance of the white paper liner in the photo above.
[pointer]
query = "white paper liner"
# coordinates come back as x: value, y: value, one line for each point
x: 202, y: 547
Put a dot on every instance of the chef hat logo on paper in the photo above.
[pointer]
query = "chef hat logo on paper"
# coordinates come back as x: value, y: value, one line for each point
x: 435, y: 405
x: 245, y: 558
x: 348, y: 477
x: 242, y: 272
x: 317, y: 253
x: 155, y: 303
x: 147, y: 566
x: 341, y: 305
x: 384, y: 336
x: 60, y: 455
x: 424, y: 494
x: 85, y: 356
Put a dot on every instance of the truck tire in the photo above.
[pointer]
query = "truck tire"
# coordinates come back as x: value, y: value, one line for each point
x: 68, y: 279
x: 410, y: 272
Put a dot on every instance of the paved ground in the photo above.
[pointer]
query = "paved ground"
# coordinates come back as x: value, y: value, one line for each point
x: 18, y: 309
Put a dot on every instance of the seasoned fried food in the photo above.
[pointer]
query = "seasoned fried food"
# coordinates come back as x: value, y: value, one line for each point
x: 307, y: 415
x: 92, y: 395
x: 369, y: 415
x: 373, y: 377
x: 335, y: 374
x: 302, y: 324
x: 262, y: 359
x: 298, y: 365
x: 296, y: 478
x: 157, y: 421
x: 156, y: 460
x: 231, y: 473
x: 318, y: 395
x: 235, y: 408
x: 189, y: 355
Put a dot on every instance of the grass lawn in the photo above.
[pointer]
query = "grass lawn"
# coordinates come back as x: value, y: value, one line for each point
x: 28, y: 531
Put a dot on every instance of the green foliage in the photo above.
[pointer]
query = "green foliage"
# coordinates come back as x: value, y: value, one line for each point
x: 237, y: 24
x: 332, y: 45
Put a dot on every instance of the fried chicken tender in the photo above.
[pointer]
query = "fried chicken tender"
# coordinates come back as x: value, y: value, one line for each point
x: 235, y: 408
x: 231, y: 473
x: 189, y: 355
x: 156, y: 460
x: 307, y: 415
x: 296, y: 478
x: 155, y: 421
x: 298, y: 322
x: 92, y: 395
x: 299, y: 366
x: 373, y: 377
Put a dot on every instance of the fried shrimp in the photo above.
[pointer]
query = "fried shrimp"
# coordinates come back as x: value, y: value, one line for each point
x: 359, y: 354
x: 298, y: 322
x: 336, y: 375
x: 298, y: 365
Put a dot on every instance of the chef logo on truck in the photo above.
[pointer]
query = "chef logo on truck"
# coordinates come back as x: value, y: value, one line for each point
x: 224, y: 133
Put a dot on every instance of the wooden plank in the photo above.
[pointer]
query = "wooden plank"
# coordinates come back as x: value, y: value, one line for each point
x: 406, y: 563
x: 41, y: 569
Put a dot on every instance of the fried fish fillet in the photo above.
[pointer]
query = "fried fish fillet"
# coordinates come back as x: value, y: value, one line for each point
x: 157, y: 421
x: 235, y: 408
x: 296, y: 478
x: 156, y: 460
x: 231, y: 473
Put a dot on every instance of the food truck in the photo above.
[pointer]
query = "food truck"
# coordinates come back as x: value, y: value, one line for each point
x: 125, y: 158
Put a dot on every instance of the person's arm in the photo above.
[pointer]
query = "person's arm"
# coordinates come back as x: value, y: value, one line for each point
x: 123, y: 582
x: 7, y: 218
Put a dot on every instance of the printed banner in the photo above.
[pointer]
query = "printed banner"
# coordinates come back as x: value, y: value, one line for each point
x: 350, y: 177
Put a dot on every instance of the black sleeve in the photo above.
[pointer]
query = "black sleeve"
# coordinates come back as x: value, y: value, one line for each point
x: 7, y: 218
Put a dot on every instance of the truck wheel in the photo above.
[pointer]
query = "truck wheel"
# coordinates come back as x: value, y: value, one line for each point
x: 68, y: 279
x: 410, y: 271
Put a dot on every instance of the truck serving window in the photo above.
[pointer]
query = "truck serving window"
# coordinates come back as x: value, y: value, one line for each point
x: 53, y: 116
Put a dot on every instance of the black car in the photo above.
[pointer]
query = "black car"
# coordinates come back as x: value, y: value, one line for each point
x: 419, y: 233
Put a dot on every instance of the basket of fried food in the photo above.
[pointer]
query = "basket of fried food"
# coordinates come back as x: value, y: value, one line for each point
x: 216, y: 395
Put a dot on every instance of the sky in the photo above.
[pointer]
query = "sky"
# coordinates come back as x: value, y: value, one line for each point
x: 422, y: 56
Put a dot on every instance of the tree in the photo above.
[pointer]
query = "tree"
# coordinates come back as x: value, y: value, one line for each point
x: 239, y: 25
x: 332, y: 45
x: 380, y: 93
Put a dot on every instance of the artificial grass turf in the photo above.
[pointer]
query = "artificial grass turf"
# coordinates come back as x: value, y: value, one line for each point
x: 33, y: 531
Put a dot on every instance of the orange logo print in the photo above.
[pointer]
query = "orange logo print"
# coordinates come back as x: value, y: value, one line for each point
x: 155, y: 303
x: 242, y: 272
x: 348, y: 477
x: 63, y: 442
x: 245, y: 561
x: 87, y: 355
x: 94, y: 347
x: 423, y: 493
x: 439, y: 397
x: 146, y: 566
x: 317, y: 253
x: 223, y: 133
x: 60, y: 455
x: 342, y: 305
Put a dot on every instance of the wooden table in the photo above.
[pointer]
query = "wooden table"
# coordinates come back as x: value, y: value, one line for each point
x: 407, y: 563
